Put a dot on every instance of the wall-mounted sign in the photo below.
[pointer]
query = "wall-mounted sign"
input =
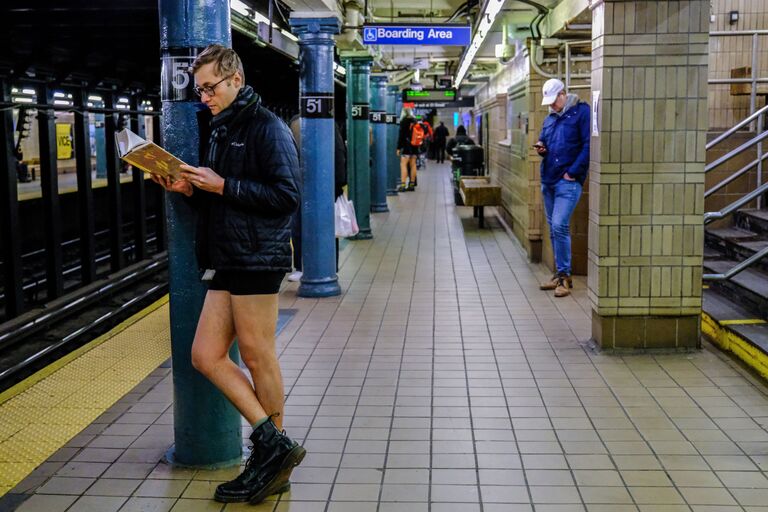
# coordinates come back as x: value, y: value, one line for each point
x: 392, y: 119
x: 378, y: 117
x: 316, y: 105
x: 429, y: 95
x: 442, y: 35
x: 176, y: 80
x: 360, y: 111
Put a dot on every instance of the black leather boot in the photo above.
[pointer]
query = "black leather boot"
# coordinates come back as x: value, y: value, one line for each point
x: 267, y: 470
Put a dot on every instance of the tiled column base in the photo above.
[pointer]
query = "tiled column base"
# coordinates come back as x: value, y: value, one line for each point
x: 646, y: 332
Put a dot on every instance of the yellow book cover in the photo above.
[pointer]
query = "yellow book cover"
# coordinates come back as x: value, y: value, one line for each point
x: 147, y: 156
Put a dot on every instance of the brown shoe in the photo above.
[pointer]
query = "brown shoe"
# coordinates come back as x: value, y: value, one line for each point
x: 552, y: 283
x: 563, y: 283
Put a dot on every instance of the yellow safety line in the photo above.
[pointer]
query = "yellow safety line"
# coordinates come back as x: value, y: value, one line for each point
x: 729, y: 341
x: 42, y: 413
x: 48, y: 370
x: 742, y: 321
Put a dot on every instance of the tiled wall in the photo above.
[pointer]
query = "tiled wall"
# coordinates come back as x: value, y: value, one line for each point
x: 727, y: 53
x: 515, y: 117
x: 647, y: 167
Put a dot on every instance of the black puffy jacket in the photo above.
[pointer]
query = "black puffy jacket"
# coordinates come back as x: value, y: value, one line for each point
x: 249, y: 226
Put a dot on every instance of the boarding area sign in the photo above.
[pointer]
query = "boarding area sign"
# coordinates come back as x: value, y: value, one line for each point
x: 405, y: 34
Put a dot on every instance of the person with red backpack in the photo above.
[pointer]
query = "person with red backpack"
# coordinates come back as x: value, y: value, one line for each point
x: 408, y: 143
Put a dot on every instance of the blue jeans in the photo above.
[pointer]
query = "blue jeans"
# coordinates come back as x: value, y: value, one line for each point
x: 559, y: 202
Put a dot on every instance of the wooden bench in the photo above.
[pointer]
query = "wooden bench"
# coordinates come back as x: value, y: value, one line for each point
x: 479, y: 193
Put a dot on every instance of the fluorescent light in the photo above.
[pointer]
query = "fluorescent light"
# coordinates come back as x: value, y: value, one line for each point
x: 23, y: 100
x: 58, y: 94
x: 240, y: 7
x: 288, y: 34
x: 90, y: 104
x: 252, y: 14
x: 492, y: 9
x: 122, y: 106
x: 61, y: 102
x: 95, y: 98
x: 122, y: 100
x: 339, y: 69
x: 14, y: 90
x: 28, y: 91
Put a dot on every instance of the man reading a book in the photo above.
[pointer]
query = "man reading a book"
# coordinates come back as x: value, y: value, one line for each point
x: 244, y: 194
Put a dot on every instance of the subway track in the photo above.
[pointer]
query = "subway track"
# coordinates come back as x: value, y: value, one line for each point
x: 45, y: 334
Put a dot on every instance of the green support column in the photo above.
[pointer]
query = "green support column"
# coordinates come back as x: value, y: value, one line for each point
x: 358, y: 141
x: 206, y: 427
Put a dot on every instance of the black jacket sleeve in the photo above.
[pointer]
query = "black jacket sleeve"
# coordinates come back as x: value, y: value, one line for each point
x: 340, y: 162
x: 277, y: 193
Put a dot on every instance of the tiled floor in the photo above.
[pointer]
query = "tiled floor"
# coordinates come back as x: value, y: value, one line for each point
x: 444, y: 380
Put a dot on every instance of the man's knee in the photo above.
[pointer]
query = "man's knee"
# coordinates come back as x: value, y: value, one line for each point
x: 258, y: 358
x: 204, y: 361
x: 560, y: 229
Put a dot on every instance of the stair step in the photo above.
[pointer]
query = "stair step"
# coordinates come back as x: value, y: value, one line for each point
x: 753, y: 219
x: 722, y: 308
x: 732, y: 233
x: 754, y: 212
x: 748, y: 288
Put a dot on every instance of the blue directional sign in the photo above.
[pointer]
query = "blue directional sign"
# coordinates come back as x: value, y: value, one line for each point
x: 442, y: 35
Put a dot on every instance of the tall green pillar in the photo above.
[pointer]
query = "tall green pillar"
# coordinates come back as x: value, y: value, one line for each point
x: 358, y: 141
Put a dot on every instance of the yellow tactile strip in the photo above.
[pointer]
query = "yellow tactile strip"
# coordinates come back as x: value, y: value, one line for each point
x: 41, y: 414
x: 729, y: 341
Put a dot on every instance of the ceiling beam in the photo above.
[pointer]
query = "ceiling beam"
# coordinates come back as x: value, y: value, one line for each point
x: 563, y: 13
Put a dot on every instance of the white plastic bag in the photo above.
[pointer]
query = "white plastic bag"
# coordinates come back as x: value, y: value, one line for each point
x: 344, y: 217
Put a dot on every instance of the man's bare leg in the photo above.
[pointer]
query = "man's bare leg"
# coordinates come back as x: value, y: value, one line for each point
x: 255, y: 319
x: 404, y: 163
x: 210, y: 355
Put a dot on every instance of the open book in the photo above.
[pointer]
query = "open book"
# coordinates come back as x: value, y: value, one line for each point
x: 147, y: 156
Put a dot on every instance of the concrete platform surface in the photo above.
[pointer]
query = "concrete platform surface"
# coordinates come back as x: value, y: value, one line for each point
x: 445, y: 380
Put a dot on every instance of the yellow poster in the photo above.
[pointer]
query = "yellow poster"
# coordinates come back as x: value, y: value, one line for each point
x: 63, y: 141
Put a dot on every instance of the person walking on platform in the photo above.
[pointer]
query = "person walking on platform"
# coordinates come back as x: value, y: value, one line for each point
x: 564, y: 147
x: 244, y: 195
x: 409, y: 142
x: 460, y: 139
x: 441, y: 137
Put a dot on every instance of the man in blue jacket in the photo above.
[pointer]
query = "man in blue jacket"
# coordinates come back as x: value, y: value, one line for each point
x: 564, y: 147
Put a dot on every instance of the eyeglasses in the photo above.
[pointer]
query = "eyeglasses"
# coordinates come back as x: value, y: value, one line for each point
x: 210, y: 90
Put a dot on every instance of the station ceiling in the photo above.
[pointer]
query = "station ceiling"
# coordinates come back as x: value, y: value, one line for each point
x: 106, y: 42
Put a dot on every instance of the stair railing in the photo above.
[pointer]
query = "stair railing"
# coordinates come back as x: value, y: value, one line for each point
x: 737, y: 268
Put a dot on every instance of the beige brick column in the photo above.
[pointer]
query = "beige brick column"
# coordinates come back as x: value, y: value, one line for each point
x: 646, y: 237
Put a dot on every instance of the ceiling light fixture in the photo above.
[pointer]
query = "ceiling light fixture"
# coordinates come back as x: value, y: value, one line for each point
x: 492, y: 9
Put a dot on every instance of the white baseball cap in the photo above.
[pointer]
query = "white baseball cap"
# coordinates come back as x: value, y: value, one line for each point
x: 551, y: 89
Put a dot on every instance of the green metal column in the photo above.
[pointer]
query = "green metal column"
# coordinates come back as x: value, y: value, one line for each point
x: 379, y: 147
x: 206, y: 426
x: 393, y: 131
x: 358, y: 141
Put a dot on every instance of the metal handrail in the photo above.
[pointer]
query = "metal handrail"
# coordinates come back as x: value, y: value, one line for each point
x: 735, y: 175
x: 741, y: 124
x: 738, y: 267
x: 751, y: 142
x: 711, y: 216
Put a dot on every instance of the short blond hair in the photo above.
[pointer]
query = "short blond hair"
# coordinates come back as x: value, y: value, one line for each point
x: 226, y: 61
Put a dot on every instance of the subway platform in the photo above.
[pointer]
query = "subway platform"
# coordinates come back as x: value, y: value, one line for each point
x: 441, y: 380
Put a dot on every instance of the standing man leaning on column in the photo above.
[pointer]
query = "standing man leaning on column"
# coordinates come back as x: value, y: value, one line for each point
x: 244, y: 197
x: 564, y: 147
